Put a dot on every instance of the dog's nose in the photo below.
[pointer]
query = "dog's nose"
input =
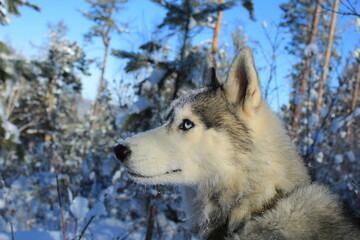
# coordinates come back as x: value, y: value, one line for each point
x: 122, y: 152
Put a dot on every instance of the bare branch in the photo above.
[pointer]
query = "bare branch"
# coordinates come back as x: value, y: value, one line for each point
x: 86, y: 226
x: 63, y: 226
x: 351, y: 9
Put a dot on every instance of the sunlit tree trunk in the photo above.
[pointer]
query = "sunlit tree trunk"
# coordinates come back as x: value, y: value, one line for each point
x: 305, y: 78
x: 215, y: 40
x: 50, y: 100
x: 356, y: 89
x: 327, y: 57
x: 106, y: 42
x: 354, y: 101
x: 101, y: 81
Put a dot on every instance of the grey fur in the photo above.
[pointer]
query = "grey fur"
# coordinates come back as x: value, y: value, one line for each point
x: 216, y: 112
x: 261, y: 189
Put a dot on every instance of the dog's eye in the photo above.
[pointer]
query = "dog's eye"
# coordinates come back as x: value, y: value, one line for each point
x: 186, y: 125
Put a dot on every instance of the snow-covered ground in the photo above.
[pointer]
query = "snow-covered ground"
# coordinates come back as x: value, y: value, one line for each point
x: 101, y: 229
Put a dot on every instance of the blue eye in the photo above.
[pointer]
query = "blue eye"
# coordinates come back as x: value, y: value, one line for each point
x: 186, y: 125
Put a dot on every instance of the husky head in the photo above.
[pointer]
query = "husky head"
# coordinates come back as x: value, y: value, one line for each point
x: 204, y: 132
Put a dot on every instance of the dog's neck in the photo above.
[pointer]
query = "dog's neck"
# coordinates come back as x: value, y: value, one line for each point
x: 233, y: 198
x: 223, y: 231
x: 232, y: 205
x: 269, y: 170
x: 211, y: 218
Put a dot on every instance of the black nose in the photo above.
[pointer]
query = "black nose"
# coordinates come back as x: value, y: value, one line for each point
x: 122, y: 152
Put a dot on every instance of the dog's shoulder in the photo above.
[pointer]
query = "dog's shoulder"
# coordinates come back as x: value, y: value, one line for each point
x: 308, y: 212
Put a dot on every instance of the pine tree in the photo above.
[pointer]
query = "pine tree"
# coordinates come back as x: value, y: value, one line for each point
x: 102, y: 13
x: 59, y: 70
x: 11, y: 7
x: 15, y: 72
x: 39, y: 114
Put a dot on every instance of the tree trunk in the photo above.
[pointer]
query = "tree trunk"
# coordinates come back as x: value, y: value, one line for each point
x: 101, y: 81
x: 356, y: 89
x: 106, y: 42
x: 50, y: 99
x: 353, y: 102
x: 150, y: 224
x: 306, y: 74
x: 180, y: 75
x: 327, y: 56
x: 215, y: 41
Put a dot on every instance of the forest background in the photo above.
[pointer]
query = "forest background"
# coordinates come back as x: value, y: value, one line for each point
x: 75, y: 76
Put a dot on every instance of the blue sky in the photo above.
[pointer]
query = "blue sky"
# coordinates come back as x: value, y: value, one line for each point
x: 28, y: 32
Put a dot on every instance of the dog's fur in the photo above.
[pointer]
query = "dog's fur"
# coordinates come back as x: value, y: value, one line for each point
x: 241, y: 176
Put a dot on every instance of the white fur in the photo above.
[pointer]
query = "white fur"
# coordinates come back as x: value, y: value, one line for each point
x: 164, y: 149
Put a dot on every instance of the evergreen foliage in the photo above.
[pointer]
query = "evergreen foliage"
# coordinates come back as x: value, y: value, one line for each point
x: 11, y: 7
x: 102, y: 14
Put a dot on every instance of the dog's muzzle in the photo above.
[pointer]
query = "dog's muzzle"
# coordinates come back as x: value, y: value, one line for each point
x: 122, y: 152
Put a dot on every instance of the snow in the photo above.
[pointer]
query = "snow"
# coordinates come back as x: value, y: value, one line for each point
x: 264, y: 24
x: 171, y: 231
x: 114, y: 229
x: 4, y: 18
x: 12, y: 132
x: 338, y: 158
x: 320, y: 157
x: 192, y: 23
x: 343, y: 134
x: 311, y: 50
x: 351, y: 156
x: 319, y: 137
x: 116, y: 176
x: 337, y: 124
x: 140, y: 105
x: 356, y: 53
x: 324, y: 110
x: 33, y: 235
x: 356, y: 112
x: 106, y: 228
x: 313, y: 120
x: 79, y: 207
x: 98, y: 210
x: 156, y: 75
x: 313, y: 93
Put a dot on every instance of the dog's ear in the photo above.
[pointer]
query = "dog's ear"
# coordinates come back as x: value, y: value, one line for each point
x: 242, y: 86
x: 210, y: 77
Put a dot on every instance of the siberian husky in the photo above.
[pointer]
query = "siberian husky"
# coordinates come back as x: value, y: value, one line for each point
x: 241, y: 176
